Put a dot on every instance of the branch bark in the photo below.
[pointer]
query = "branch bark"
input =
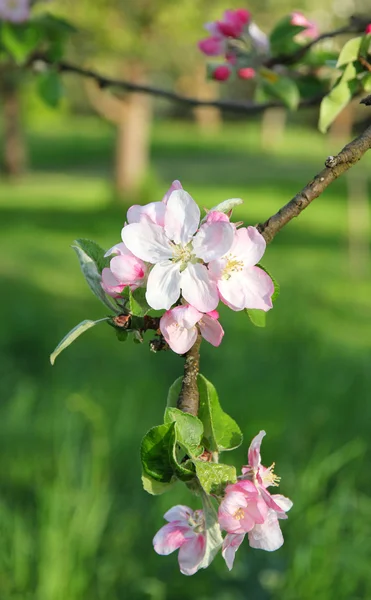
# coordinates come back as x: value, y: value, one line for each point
x: 335, y: 166
x: 189, y: 399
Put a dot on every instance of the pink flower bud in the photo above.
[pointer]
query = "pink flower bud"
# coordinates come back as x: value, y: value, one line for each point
x: 299, y: 20
x: 221, y: 73
x: 233, y: 22
x: 246, y: 73
x: 243, y: 15
x: 368, y: 28
x: 212, y: 46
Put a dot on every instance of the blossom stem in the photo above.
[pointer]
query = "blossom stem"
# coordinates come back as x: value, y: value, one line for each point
x: 189, y: 398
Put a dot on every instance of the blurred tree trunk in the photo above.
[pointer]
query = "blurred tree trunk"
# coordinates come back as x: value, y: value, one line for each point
x: 273, y: 125
x: 14, y: 155
x: 207, y: 118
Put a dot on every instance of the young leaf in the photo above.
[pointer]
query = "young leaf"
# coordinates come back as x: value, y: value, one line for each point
x: 350, y: 51
x: 366, y: 82
x: 138, y: 305
x: 214, y: 537
x: 280, y: 87
x: 50, y: 88
x: 93, y: 278
x: 256, y: 316
x: 73, y: 335
x: 282, y: 37
x: 334, y: 102
x: 189, y: 430
x: 156, y: 487
x: 173, y: 393
x: 157, y: 446
x: 213, y: 477
x: 221, y: 432
x: 95, y: 252
x: 19, y: 40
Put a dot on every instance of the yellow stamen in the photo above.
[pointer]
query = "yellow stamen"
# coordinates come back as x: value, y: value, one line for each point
x: 239, y: 514
x: 269, y: 477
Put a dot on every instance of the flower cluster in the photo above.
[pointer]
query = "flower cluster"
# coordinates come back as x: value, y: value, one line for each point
x: 246, y: 508
x: 15, y: 11
x: 187, y: 266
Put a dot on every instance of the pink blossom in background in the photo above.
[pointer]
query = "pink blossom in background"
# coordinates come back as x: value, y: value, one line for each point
x: 179, y: 328
x: 125, y: 270
x: 240, y: 283
x: 233, y: 22
x: 179, y: 252
x: 246, y: 73
x: 212, y: 46
x: 311, y: 29
x: 15, y: 11
x: 368, y: 28
x: 221, y: 73
x: 185, y: 531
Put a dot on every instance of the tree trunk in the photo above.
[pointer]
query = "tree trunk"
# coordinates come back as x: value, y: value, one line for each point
x: 14, y: 146
x: 273, y: 125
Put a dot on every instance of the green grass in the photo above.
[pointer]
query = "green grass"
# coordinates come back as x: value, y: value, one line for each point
x: 74, y: 521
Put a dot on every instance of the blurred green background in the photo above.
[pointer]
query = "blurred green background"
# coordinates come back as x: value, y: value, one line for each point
x: 74, y: 520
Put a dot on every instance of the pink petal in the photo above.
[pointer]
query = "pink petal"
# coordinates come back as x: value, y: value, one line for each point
x: 163, y: 285
x: 176, y: 185
x: 169, y: 538
x: 180, y: 512
x: 186, y: 315
x: 212, y: 46
x: 248, y: 246
x: 182, y: 217
x: 214, y: 216
x: 127, y: 269
x: 180, y: 339
x: 110, y: 284
x: 258, y: 288
x: 213, y: 314
x: 198, y: 289
x: 282, y: 502
x: 119, y: 248
x: 245, y: 486
x: 253, y: 455
x: 267, y: 536
x: 154, y: 212
x: 213, y: 240
x: 232, y: 542
x: 211, y: 330
x: 191, y: 554
x: 228, y: 508
x: 147, y: 241
x: 231, y: 290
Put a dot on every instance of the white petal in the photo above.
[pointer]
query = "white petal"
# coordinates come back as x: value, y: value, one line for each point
x: 163, y: 285
x: 267, y: 536
x: 191, y: 554
x: 213, y: 240
x: 180, y: 512
x: 118, y: 249
x: 232, y: 291
x: 232, y: 542
x: 147, y: 241
x: 284, y: 503
x: 258, y: 288
x: 179, y: 337
x: 154, y: 212
x: 182, y: 217
x: 248, y: 246
x: 198, y: 288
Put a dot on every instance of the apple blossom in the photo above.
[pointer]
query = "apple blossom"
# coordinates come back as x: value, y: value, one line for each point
x: 154, y: 211
x: 233, y: 22
x: 125, y: 270
x: 179, y: 252
x: 15, y: 11
x: 212, y: 46
x: 311, y: 29
x: 179, y: 326
x: 240, y: 283
x: 185, y: 531
x: 241, y: 508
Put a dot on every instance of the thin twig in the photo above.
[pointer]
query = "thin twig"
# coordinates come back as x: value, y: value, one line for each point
x: 335, y: 166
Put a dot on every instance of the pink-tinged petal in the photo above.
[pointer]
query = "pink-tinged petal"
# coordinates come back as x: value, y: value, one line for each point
x: 245, y: 486
x: 282, y: 502
x: 267, y: 536
x: 253, y: 454
x: 191, y: 554
x: 258, y: 288
x: 248, y: 246
x: 176, y: 185
x: 213, y: 314
x: 182, y: 217
x: 154, y: 212
x: 271, y: 503
x: 110, y: 284
x: 186, y: 315
x: 169, y: 538
x: 214, y: 216
x: 211, y: 330
x: 232, y: 542
x: 127, y: 269
x: 232, y: 290
x: 212, y: 46
x: 231, y: 511
x: 120, y: 249
x: 213, y: 240
x: 147, y: 241
x: 180, y: 512
x: 163, y: 285
x: 198, y: 289
x: 180, y: 339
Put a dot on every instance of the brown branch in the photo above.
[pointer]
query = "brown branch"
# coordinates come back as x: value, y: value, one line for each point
x: 335, y: 166
x: 188, y: 400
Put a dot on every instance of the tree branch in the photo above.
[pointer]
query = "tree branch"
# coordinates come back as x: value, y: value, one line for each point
x: 335, y: 166
x: 188, y: 400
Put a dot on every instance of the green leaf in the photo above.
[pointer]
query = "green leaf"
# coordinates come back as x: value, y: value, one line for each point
x: 280, y: 87
x: 334, y: 102
x: 213, y: 477
x: 50, y: 87
x: 138, y: 305
x: 221, y: 432
x: 189, y: 430
x: 173, y: 393
x: 73, y: 335
x: 350, y: 51
x: 282, y: 37
x: 93, y: 278
x: 213, y: 534
x: 277, y: 288
x: 156, y: 487
x: 366, y: 82
x: 227, y: 205
x: 96, y: 253
x: 19, y: 40
x: 157, y: 446
x: 256, y: 316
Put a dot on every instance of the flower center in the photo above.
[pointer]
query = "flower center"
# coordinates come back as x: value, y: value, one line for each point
x: 269, y: 478
x: 233, y: 265
x: 183, y: 254
x: 239, y: 514
x: 197, y: 521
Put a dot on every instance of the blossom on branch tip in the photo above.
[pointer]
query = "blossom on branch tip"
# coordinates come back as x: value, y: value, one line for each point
x: 180, y: 325
x: 15, y: 11
x: 185, y: 531
x: 125, y: 270
x: 240, y: 283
